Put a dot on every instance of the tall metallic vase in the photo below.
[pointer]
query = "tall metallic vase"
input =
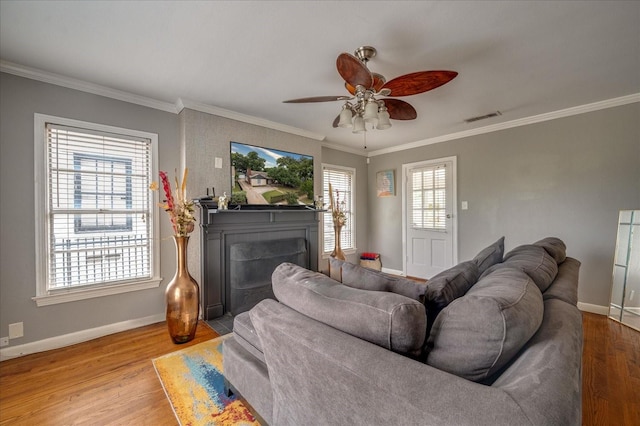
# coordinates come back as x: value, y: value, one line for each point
x: 337, y: 249
x: 183, y: 298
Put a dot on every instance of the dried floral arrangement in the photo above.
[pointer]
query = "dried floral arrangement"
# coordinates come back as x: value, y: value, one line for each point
x: 338, y: 208
x: 180, y: 208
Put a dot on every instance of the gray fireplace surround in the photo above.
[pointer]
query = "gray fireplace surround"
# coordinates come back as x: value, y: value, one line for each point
x: 241, y: 247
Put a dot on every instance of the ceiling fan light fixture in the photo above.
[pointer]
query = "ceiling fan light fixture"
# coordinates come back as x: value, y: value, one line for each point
x: 358, y: 125
x: 345, y: 117
x: 383, y: 119
x: 371, y: 111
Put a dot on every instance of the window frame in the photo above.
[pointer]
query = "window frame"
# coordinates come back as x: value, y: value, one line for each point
x: 45, y: 296
x: 351, y: 215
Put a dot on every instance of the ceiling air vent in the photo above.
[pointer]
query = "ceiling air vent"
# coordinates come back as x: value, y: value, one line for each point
x: 482, y: 117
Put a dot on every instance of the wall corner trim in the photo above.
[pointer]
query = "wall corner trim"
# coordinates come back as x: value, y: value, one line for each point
x: 580, y: 109
x: 244, y: 118
x: 96, y: 89
x: 77, y: 337
x: 594, y: 309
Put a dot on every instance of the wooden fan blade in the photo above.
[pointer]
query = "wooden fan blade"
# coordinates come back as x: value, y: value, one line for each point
x: 400, y: 110
x: 317, y: 99
x: 418, y: 82
x: 350, y: 88
x: 378, y: 82
x: 353, y: 71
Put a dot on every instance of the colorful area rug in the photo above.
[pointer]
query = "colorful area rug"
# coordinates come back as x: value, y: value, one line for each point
x: 193, y: 381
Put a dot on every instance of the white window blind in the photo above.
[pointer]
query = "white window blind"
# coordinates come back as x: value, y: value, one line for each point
x: 99, y: 210
x: 428, y: 197
x: 342, y: 180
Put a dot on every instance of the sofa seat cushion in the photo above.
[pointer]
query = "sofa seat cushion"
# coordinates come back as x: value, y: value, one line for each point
x: 479, y: 333
x: 245, y: 334
x: 447, y: 286
x: 555, y: 247
x: 357, y: 276
x: 390, y: 320
x: 533, y: 261
x: 490, y: 255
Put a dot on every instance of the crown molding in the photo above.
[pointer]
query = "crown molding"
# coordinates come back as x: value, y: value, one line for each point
x: 343, y: 148
x: 72, y: 83
x: 581, y: 109
x: 249, y: 119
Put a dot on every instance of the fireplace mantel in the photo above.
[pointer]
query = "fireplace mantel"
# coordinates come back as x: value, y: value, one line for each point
x: 222, y: 228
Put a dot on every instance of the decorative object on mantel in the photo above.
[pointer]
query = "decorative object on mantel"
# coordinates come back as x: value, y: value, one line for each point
x: 183, y: 293
x: 223, y: 201
x: 338, y: 213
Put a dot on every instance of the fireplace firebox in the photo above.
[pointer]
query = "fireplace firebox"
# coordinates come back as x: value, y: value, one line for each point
x: 240, y: 248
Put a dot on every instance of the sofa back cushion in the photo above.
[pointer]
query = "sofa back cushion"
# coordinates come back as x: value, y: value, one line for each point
x: 555, y: 247
x: 357, y: 276
x: 479, y: 333
x: 490, y: 255
x: 533, y: 261
x: 387, y: 319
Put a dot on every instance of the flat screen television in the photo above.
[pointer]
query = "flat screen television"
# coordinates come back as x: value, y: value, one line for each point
x: 270, y: 177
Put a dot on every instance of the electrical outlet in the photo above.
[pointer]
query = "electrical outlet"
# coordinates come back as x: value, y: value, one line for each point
x: 16, y: 330
x: 4, y: 341
x: 633, y: 293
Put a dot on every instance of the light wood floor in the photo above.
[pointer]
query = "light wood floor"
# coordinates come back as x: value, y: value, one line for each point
x: 111, y: 380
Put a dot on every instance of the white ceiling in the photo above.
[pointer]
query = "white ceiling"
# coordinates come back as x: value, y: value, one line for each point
x: 522, y: 58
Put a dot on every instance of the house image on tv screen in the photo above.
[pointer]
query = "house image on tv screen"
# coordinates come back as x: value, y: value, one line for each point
x: 268, y: 176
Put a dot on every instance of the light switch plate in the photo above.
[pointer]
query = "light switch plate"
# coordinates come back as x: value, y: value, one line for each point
x: 465, y: 205
x: 218, y: 163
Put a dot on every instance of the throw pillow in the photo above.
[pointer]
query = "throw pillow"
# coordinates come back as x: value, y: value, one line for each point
x: 490, y: 255
x: 479, y: 333
x: 447, y: 286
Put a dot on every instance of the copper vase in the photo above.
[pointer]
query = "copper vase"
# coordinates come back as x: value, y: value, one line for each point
x: 183, y: 298
x: 337, y: 250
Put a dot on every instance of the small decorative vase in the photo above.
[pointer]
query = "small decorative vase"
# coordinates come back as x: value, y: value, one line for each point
x: 337, y: 251
x: 183, y: 298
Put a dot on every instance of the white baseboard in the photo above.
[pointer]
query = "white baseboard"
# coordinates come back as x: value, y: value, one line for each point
x: 77, y: 337
x: 393, y: 271
x: 594, y: 309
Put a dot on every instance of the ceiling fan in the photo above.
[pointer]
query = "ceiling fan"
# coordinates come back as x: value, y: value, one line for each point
x: 363, y: 106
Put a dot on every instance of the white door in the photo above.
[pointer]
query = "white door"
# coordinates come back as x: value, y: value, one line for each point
x: 429, y: 193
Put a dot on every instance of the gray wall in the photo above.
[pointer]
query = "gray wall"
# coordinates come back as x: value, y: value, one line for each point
x: 20, y: 99
x: 567, y: 177
x: 205, y: 136
x: 358, y: 162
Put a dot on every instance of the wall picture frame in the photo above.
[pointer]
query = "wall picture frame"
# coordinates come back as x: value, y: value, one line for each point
x: 386, y: 183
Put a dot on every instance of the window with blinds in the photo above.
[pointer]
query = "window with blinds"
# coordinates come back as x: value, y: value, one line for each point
x: 428, y: 197
x: 99, y: 207
x: 343, y: 181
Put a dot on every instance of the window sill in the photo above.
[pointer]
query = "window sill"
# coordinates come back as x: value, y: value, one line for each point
x: 348, y: 252
x: 72, y: 295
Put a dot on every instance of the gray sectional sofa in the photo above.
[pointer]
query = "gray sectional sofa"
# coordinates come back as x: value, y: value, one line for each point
x: 496, y: 340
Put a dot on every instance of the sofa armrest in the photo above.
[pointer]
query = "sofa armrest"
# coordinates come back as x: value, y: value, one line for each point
x: 318, y: 372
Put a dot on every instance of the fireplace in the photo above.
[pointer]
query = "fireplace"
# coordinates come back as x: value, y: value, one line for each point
x: 251, y: 265
x: 241, y: 248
